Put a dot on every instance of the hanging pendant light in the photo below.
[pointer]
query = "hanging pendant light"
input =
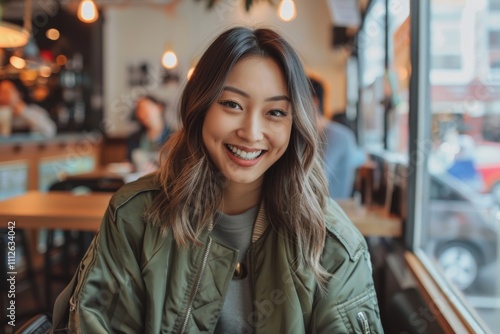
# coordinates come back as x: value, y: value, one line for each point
x: 286, y: 10
x: 169, y: 59
x: 87, y: 11
x: 18, y: 62
x: 14, y: 36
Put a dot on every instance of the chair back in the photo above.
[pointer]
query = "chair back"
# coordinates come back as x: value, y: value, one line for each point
x: 39, y: 324
x: 88, y: 185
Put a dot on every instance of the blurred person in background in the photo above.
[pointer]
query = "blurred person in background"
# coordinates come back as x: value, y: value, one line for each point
x: 342, y: 156
x: 24, y: 116
x: 146, y: 142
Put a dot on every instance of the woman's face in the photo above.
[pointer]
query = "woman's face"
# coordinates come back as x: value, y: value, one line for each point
x: 247, y: 129
x: 148, y: 113
x: 8, y: 94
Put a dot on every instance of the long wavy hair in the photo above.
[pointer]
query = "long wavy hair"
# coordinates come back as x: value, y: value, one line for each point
x: 294, y: 188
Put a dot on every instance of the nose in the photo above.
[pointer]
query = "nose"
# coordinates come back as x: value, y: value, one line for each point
x: 252, y: 128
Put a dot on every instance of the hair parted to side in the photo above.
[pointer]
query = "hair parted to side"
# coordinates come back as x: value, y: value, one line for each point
x: 294, y: 188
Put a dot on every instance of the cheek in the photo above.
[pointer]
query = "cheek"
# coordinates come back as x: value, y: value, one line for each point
x: 281, y: 138
x: 213, y: 127
x: 204, y: 136
x: 208, y: 131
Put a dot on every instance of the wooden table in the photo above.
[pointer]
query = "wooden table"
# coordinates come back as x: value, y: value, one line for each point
x: 372, y: 221
x: 55, y: 210
x: 63, y: 210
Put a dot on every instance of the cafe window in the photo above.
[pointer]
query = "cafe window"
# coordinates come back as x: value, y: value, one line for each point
x: 494, y: 5
x: 456, y: 183
x: 372, y: 52
x: 384, y: 53
x: 398, y: 76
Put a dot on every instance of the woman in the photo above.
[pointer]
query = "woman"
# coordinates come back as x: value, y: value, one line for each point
x: 26, y: 117
x: 146, y: 142
x: 235, y: 233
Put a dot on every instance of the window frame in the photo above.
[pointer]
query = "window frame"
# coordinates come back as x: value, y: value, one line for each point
x: 432, y: 284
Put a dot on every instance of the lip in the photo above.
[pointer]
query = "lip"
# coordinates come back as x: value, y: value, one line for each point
x: 242, y: 162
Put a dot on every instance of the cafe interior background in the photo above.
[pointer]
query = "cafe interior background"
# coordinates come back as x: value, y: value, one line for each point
x: 407, y: 75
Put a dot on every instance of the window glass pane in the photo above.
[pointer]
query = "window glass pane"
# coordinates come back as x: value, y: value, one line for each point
x: 462, y: 220
x: 371, y: 45
x: 494, y: 5
x: 385, y: 88
x: 398, y: 76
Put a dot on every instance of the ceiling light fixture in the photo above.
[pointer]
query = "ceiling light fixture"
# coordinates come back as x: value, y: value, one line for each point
x: 87, y: 11
x: 169, y: 59
x: 14, y: 36
x: 286, y: 10
x: 17, y: 62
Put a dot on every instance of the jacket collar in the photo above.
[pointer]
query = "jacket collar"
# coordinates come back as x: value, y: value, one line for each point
x: 261, y: 223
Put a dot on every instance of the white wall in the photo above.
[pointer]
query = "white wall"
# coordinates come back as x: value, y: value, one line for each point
x: 133, y: 33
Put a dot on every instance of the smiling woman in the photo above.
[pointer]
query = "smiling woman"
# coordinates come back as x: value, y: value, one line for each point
x: 257, y: 125
x: 234, y: 233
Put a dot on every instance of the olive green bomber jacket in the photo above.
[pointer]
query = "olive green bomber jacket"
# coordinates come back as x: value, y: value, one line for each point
x: 134, y: 280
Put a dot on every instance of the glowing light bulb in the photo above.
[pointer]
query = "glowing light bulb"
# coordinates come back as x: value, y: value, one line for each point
x: 61, y: 60
x: 53, y: 34
x: 286, y: 10
x: 45, y: 71
x: 17, y: 62
x: 169, y: 60
x: 87, y: 11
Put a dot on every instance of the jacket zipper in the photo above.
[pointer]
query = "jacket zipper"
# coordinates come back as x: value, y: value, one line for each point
x: 363, y: 322
x: 196, y: 287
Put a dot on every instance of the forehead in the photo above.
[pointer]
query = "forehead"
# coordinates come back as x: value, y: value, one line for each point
x: 145, y: 103
x: 258, y: 73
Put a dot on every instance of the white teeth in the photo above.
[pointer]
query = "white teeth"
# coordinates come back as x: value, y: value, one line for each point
x: 243, y: 154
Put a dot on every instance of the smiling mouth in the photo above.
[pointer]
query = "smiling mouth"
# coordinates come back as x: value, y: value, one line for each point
x: 244, y: 154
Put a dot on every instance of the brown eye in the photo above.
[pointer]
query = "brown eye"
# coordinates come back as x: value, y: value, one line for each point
x: 277, y: 113
x: 230, y: 104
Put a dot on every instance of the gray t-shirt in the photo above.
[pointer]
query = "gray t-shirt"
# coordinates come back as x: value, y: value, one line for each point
x: 236, y: 232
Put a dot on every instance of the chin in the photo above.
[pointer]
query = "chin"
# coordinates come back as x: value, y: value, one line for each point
x: 243, y: 179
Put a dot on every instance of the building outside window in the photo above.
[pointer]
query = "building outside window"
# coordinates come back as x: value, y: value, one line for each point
x: 371, y: 49
x: 458, y: 222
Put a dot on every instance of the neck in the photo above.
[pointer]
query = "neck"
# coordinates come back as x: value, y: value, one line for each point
x: 238, y: 198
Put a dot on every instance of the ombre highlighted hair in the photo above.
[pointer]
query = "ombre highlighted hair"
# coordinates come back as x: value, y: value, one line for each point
x: 294, y: 189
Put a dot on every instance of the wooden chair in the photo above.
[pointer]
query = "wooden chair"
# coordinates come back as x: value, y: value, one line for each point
x: 39, y: 324
x: 80, y: 240
x: 21, y: 246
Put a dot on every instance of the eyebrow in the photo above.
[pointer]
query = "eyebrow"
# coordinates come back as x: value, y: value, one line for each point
x: 269, y: 99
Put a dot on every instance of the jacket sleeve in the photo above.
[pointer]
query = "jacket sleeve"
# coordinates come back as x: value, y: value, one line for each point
x: 109, y: 291
x: 350, y: 303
